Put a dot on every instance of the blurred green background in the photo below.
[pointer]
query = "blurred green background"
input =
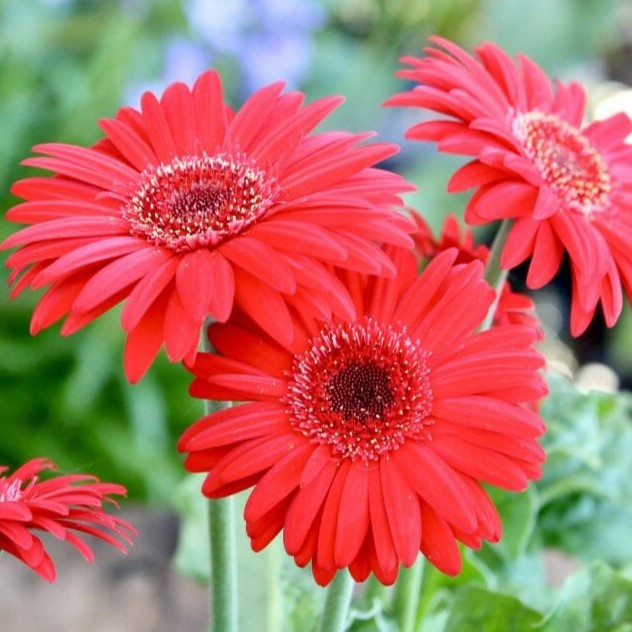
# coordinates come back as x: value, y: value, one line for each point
x: 64, y: 64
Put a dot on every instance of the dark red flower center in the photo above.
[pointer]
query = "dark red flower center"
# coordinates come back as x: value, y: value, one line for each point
x: 199, y: 201
x: 362, y: 389
x: 568, y: 162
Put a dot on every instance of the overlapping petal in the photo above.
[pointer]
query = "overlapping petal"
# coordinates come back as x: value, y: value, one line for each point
x: 513, y: 307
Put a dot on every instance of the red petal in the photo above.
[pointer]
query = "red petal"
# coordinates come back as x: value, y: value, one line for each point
x: 438, y: 543
x: 486, y: 413
x: 181, y: 332
x: 382, y: 538
x: 146, y: 292
x: 277, y: 483
x: 325, y: 555
x: 69, y: 227
x: 547, y: 257
x: 353, y: 516
x: 437, y: 484
x: 300, y: 237
x: 144, y: 340
x: 116, y: 276
x: 306, y: 506
x: 129, y: 143
x: 251, y: 458
x: 547, y: 203
x: 293, y: 129
x: 254, y: 114
x: 265, y: 306
x: 158, y: 129
x: 221, y: 303
x: 248, y: 254
x: 179, y: 108
x: 485, y: 465
x: 403, y: 512
x: 195, y: 283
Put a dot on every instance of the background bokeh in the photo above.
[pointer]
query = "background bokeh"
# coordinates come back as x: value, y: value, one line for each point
x: 66, y: 63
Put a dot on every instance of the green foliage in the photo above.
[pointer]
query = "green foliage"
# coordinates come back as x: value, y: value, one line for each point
x: 586, y: 490
x: 477, y: 609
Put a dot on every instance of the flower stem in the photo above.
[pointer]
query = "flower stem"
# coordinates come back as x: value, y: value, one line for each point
x: 334, y: 617
x: 408, y: 594
x: 223, y: 550
x: 495, y: 275
x: 274, y: 606
x: 223, y: 565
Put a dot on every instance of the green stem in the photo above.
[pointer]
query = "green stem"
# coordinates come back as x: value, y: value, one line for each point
x: 376, y: 591
x: 223, y: 550
x: 223, y: 565
x: 495, y: 275
x: 335, y: 614
x: 408, y: 594
x: 274, y: 605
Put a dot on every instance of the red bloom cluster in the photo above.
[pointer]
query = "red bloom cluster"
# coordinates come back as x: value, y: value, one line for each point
x: 373, y: 409
x: 567, y: 187
x: 186, y: 208
x: 367, y: 439
x: 513, y: 307
x: 62, y: 506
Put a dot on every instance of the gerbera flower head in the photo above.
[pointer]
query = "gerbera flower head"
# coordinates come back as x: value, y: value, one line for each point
x: 512, y: 307
x: 186, y: 208
x: 367, y: 439
x: 566, y: 185
x: 63, y: 506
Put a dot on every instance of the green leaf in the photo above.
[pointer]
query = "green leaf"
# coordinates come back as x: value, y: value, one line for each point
x: 596, y: 599
x: 518, y: 513
x: 476, y: 610
x: 586, y: 490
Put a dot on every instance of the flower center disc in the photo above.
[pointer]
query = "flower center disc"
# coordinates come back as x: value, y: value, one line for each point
x: 199, y: 201
x: 361, y: 389
x: 568, y: 162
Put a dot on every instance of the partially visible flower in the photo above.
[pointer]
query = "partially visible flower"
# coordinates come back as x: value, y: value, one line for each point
x: 513, y: 307
x: 367, y: 439
x: 62, y: 506
x: 187, y: 207
x: 568, y: 186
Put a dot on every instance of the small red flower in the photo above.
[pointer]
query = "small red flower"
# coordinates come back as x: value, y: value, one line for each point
x: 186, y: 208
x: 567, y: 186
x: 367, y: 440
x: 61, y: 506
x: 513, y: 307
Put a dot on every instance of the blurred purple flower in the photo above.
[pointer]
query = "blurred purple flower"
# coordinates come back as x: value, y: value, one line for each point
x: 184, y: 61
x: 220, y: 24
x: 268, y: 59
x: 270, y: 39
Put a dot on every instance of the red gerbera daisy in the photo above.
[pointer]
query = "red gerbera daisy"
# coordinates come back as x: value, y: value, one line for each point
x: 60, y: 506
x: 367, y: 440
x: 186, y: 207
x: 568, y: 186
x: 513, y: 307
